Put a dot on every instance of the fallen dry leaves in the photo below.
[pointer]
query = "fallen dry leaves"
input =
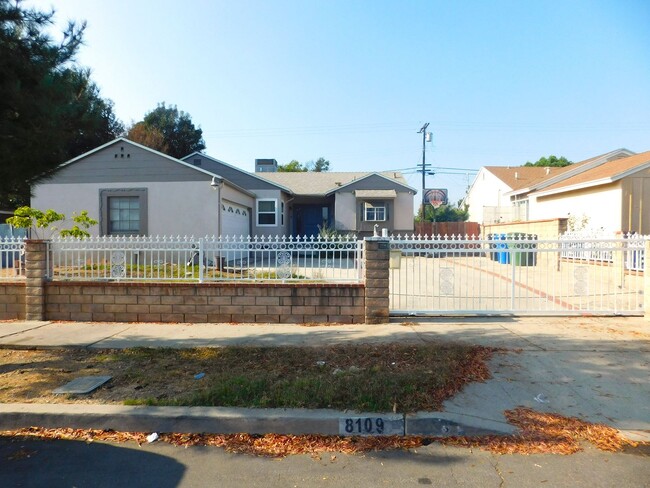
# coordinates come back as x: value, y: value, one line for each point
x: 549, y: 433
x: 538, y: 433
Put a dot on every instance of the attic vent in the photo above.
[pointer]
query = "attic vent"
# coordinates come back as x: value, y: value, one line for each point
x: 197, y: 162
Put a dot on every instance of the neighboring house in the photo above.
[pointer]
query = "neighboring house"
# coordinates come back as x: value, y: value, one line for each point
x: 614, y: 196
x: 300, y: 203
x: 489, y: 197
x: 134, y: 190
x: 510, y: 194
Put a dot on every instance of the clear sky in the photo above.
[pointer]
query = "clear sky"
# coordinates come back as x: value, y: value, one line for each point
x: 500, y: 82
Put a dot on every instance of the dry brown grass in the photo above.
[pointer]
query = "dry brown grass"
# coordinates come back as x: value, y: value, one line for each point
x: 364, y: 377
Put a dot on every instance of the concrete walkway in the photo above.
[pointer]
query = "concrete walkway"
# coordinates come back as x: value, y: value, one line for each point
x: 595, y: 368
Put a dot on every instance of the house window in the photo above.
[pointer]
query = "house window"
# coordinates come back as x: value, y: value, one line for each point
x: 124, y: 215
x: 267, y: 213
x: 123, y: 212
x: 374, y: 211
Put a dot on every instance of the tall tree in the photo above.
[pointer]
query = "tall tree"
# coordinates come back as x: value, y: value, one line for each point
x: 50, y: 110
x: 179, y: 135
x: 320, y: 165
x: 552, y: 161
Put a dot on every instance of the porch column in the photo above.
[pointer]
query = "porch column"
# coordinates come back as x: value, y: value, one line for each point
x: 377, y: 254
x: 35, y: 276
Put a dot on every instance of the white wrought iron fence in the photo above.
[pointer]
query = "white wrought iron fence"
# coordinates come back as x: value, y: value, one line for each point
x: 12, y: 258
x: 586, y: 246
x: 283, y: 259
x: 515, y: 274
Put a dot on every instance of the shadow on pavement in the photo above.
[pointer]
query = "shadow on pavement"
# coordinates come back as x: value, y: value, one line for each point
x: 33, y: 463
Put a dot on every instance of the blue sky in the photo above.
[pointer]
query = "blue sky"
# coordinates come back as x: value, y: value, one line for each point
x: 500, y: 82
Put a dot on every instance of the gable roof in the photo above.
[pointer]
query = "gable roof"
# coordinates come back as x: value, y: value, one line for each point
x: 602, y: 174
x: 518, y: 177
x: 324, y: 183
x: 526, y: 179
x: 214, y: 162
x: 123, y: 140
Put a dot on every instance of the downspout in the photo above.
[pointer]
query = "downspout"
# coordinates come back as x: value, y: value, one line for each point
x: 217, y: 185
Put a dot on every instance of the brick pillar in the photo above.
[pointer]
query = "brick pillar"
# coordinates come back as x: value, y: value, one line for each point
x: 36, y: 275
x: 377, y: 254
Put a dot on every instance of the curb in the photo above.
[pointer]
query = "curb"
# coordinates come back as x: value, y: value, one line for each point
x: 224, y: 420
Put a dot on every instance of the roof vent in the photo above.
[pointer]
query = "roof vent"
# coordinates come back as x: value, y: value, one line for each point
x: 548, y: 170
x: 516, y: 175
x: 338, y: 183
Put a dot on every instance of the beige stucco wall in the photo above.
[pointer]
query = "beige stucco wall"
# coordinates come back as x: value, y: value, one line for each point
x: 404, y: 213
x: 635, y: 211
x: 543, y: 229
x: 400, y: 215
x: 601, y: 204
x: 174, y: 208
x: 345, y: 211
x: 233, y: 195
x: 279, y: 230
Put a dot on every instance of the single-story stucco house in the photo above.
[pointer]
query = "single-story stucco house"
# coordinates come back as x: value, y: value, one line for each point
x: 134, y: 190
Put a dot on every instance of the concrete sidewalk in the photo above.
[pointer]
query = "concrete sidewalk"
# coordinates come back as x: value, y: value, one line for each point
x: 595, y: 368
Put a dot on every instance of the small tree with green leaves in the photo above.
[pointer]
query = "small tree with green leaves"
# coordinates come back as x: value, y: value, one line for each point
x: 42, y: 223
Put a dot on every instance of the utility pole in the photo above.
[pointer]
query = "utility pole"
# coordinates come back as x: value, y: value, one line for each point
x: 426, y: 137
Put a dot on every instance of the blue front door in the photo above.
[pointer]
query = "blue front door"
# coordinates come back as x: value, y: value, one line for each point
x: 307, y: 218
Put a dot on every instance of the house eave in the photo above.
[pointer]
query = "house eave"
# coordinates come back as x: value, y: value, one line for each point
x: 127, y: 141
x: 339, y: 188
x: 578, y: 186
x: 283, y: 188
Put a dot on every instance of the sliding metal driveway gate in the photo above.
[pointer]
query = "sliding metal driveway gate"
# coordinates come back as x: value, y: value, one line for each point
x: 516, y: 274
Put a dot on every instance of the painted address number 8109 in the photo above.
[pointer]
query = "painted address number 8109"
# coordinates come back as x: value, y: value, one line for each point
x: 362, y: 425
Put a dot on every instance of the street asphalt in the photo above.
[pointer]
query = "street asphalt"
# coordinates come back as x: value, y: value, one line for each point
x: 594, y: 368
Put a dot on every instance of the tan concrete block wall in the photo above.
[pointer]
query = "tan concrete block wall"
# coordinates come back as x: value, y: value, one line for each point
x: 181, y: 302
x: 543, y: 229
x: 12, y: 301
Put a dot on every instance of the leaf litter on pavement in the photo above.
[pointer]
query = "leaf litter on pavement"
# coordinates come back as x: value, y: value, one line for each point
x: 539, y: 433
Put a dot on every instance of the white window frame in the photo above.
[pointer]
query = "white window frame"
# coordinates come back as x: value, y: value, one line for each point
x: 282, y: 213
x: 374, y: 206
x: 274, y: 213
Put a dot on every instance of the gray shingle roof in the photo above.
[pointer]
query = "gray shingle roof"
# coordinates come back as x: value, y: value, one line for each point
x: 312, y: 183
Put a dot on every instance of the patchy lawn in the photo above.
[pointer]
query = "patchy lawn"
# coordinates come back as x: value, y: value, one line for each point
x: 380, y: 378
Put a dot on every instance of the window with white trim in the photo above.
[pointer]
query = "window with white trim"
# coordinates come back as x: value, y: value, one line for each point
x: 267, y: 212
x: 374, y: 211
x: 282, y: 214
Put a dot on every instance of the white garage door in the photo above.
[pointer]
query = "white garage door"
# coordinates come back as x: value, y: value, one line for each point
x: 235, y: 219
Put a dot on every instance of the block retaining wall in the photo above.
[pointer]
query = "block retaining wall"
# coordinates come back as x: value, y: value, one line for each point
x: 208, y: 302
x: 12, y: 301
